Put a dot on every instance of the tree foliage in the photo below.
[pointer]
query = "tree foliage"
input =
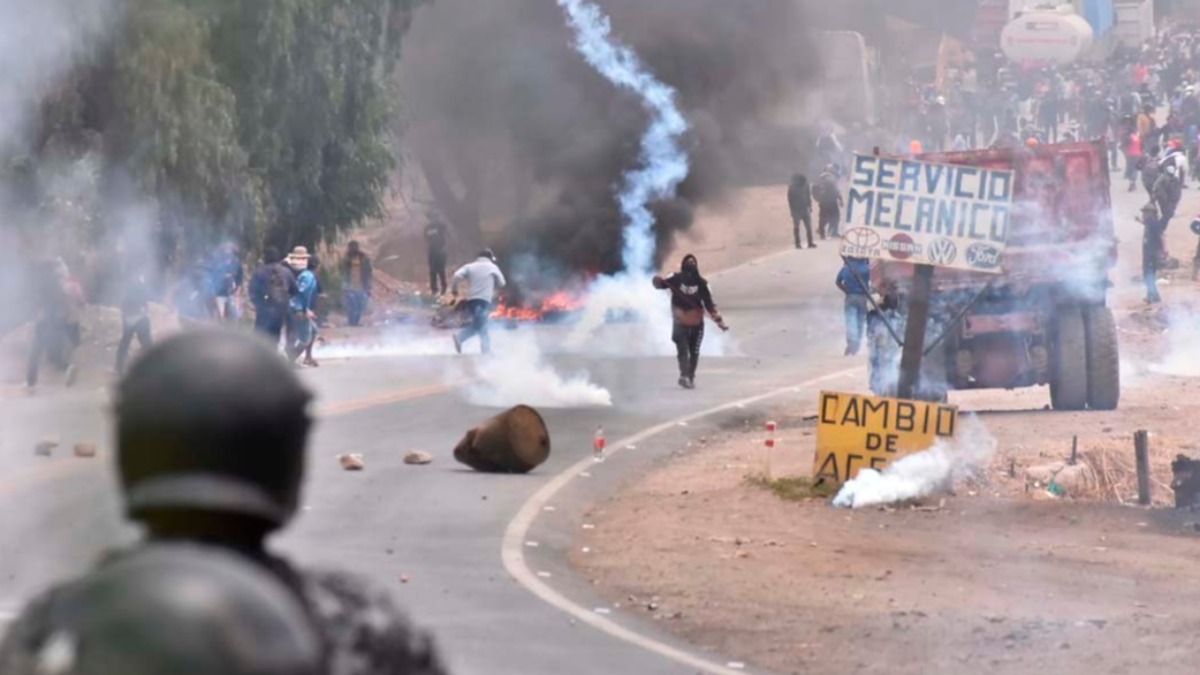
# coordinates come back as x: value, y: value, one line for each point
x: 264, y: 120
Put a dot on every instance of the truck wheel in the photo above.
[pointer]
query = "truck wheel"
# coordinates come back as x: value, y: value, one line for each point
x: 1069, y: 369
x: 1103, y: 359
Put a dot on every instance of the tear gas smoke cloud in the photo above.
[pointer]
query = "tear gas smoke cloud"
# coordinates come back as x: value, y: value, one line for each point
x: 532, y: 141
x: 664, y: 163
x: 924, y: 473
x: 1183, y: 356
x: 517, y: 371
x: 40, y: 42
x: 520, y: 374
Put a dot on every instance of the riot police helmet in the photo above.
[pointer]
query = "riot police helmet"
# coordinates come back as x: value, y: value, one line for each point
x: 212, y: 421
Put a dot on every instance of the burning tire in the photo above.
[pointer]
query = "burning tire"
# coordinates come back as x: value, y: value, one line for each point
x: 1103, y: 359
x: 1069, y: 368
x: 516, y: 441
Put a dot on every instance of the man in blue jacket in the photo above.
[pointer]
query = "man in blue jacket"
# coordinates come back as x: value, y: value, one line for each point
x: 854, y: 280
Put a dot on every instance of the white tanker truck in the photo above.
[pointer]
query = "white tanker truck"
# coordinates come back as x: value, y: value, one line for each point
x: 1047, y: 34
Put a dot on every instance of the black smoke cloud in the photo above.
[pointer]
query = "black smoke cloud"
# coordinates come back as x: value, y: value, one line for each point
x: 514, y: 130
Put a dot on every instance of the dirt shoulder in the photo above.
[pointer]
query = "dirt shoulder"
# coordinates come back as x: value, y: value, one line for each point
x: 1000, y: 577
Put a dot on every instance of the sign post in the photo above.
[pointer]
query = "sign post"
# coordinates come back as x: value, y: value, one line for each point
x: 929, y: 215
x: 914, y: 332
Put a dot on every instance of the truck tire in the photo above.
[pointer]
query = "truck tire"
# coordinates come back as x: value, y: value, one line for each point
x: 1069, y: 369
x: 1103, y: 359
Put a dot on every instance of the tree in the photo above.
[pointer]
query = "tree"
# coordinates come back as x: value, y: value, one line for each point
x: 308, y: 77
x: 263, y: 119
x: 172, y: 124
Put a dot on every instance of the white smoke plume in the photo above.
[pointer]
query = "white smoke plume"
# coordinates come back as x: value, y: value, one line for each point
x: 1183, y: 357
x: 924, y: 473
x: 664, y: 167
x: 39, y: 43
x: 664, y: 163
x: 519, y: 374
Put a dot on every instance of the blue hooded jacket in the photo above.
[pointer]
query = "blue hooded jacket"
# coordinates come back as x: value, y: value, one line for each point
x: 847, y: 281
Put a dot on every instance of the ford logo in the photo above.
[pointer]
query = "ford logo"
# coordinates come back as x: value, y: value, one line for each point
x: 983, y: 256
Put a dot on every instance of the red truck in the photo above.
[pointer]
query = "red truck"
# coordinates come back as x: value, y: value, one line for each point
x: 1044, y: 320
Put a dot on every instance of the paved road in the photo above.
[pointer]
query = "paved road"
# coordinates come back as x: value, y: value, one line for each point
x: 443, y: 526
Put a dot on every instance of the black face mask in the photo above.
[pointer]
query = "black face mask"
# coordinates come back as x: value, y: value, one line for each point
x: 690, y: 270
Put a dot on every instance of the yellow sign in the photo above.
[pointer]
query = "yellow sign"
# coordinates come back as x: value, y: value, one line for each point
x: 856, y: 432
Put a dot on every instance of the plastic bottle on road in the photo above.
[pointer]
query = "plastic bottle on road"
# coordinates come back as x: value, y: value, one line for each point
x: 598, y: 445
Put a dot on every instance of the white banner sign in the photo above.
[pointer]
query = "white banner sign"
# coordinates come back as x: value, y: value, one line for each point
x: 946, y: 215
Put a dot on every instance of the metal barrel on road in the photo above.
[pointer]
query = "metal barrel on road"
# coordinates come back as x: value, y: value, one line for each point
x: 515, y: 441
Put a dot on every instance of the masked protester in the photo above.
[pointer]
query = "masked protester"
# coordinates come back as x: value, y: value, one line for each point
x: 211, y: 431
x: 690, y: 298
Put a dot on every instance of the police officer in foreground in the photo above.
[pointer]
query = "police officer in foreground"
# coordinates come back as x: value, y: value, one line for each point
x: 132, y: 617
x: 211, y: 432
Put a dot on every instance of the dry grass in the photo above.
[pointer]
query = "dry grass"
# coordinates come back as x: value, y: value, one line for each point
x: 1116, y: 473
x: 794, y: 488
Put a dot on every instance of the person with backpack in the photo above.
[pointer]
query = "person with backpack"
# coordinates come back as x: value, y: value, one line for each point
x: 1166, y: 193
x: 829, y: 199
x: 271, y: 289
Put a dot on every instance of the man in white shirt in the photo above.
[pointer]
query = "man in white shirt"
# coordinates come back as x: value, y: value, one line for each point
x: 483, y: 277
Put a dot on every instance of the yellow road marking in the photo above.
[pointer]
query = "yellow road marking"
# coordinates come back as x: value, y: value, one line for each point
x: 347, y: 407
x: 32, y: 477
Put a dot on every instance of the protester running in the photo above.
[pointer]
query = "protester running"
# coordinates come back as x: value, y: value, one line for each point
x: 483, y: 279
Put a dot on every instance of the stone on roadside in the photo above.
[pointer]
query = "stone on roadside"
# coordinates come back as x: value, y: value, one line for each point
x: 1043, y: 473
x: 1076, y: 479
x: 417, y: 457
x: 352, y: 462
x: 45, y: 448
x: 85, y: 450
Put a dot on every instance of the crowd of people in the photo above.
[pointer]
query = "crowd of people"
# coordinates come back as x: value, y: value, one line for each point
x: 1144, y: 104
x: 284, y: 291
